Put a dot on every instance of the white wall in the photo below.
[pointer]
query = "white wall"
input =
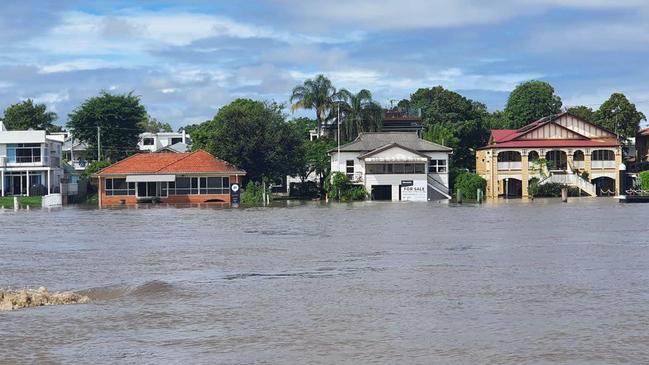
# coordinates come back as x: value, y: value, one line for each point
x: 394, y: 180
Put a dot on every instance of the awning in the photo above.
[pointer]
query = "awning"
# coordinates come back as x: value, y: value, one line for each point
x: 150, y: 178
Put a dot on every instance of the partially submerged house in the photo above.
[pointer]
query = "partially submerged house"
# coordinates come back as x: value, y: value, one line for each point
x: 561, y: 148
x: 395, y: 166
x: 191, y: 177
x: 30, y: 162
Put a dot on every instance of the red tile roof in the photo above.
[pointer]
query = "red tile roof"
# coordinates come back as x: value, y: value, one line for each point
x: 170, y: 163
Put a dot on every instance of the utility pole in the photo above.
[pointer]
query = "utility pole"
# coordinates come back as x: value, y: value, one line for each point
x: 338, y: 129
x: 98, y: 144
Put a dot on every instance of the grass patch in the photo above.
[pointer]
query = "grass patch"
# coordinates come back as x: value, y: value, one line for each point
x: 32, y: 201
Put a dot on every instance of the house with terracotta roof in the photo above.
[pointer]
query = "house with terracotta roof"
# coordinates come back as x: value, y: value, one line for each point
x: 561, y: 148
x: 191, y: 177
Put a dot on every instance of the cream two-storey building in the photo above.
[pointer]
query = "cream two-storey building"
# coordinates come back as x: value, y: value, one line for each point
x: 561, y: 148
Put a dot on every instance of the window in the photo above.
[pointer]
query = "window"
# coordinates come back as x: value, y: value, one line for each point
x: 509, y: 156
x: 349, y: 168
x: 603, y: 155
x: 199, y: 185
x: 578, y: 156
x: 437, y: 166
x: 24, y: 152
x: 119, y: 187
x: 176, y: 140
x: 397, y: 168
x: 147, y: 141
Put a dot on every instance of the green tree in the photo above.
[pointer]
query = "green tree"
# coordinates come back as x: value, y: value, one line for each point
x: 582, y: 112
x: 530, y: 101
x: 361, y: 114
x: 458, y: 122
x: 153, y: 125
x: 119, y: 119
x: 318, y: 94
x: 619, y: 115
x: 254, y: 136
x: 317, y: 157
x: 303, y: 126
x: 26, y: 115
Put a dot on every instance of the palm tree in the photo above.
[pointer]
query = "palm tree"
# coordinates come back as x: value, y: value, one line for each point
x: 319, y: 94
x: 361, y: 113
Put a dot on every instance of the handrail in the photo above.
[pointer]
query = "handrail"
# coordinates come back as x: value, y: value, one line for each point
x: 437, y: 185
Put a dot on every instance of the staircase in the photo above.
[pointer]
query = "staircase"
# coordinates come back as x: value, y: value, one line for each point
x: 438, y: 186
x: 571, y: 179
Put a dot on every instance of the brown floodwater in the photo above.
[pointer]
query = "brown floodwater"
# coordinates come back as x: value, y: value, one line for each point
x: 385, y: 283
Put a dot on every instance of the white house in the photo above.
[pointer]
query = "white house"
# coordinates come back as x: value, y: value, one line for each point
x: 155, y: 141
x: 395, y: 166
x: 29, y: 159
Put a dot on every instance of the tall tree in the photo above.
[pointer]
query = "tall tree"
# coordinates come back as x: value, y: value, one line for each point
x: 361, y: 114
x: 582, y: 112
x: 27, y: 114
x: 530, y: 101
x: 254, y: 136
x: 153, y: 125
x: 319, y: 94
x: 619, y: 115
x: 116, y: 118
x: 303, y: 126
x: 458, y: 122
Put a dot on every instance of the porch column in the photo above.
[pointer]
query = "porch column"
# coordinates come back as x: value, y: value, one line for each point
x: 495, y: 178
x: 100, y: 189
x: 570, y: 159
x: 587, y: 158
x: 27, y: 182
x: 524, y: 173
x: 49, y: 181
x: 2, y: 181
x: 618, y: 162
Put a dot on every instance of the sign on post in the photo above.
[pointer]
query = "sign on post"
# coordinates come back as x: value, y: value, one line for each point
x: 235, y: 195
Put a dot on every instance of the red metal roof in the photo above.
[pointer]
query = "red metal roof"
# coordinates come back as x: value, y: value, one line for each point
x: 507, y: 138
x: 644, y: 132
x: 170, y: 163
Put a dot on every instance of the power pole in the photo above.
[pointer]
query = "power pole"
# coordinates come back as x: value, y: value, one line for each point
x: 98, y: 144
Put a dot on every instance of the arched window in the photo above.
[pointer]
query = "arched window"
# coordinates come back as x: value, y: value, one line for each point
x: 603, y: 155
x: 578, y: 155
x: 532, y: 156
x: 556, y: 160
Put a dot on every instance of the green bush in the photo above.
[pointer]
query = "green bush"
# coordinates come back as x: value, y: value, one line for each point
x: 644, y: 180
x: 93, y: 167
x: 550, y: 190
x: 253, y: 193
x: 339, y: 187
x: 468, y: 183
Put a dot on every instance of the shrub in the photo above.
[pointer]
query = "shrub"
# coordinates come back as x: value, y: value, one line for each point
x: 644, y: 180
x: 93, y: 167
x: 339, y: 187
x: 469, y: 183
x: 253, y: 193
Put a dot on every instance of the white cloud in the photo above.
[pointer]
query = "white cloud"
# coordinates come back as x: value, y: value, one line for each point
x: 411, y: 14
x: 75, y: 65
x: 600, y: 36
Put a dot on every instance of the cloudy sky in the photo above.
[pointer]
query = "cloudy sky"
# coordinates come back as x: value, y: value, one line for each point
x: 187, y: 58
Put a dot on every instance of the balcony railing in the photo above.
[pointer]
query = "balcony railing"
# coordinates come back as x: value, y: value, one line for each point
x: 578, y: 164
x: 509, y: 165
x: 355, y: 177
x: 602, y: 164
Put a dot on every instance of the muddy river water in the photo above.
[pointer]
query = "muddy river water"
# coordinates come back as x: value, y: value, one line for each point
x: 385, y: 283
